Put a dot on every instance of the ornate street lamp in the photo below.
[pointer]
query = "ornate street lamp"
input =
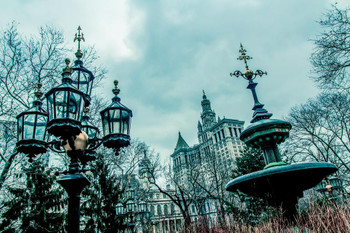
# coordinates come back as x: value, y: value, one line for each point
x: 65, y: 120
x: 31, y: 128
x: 65, y: 105
x: 116, y: 119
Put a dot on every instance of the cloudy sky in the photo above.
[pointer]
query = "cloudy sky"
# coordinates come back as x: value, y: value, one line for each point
x: 165, y: 52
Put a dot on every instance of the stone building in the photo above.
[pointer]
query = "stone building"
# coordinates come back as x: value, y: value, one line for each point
x: 216, y: 152
x: 218, y: 146
x: 219, y: 143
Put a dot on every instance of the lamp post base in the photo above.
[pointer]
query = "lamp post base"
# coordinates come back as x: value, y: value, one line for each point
x: 73, y: 184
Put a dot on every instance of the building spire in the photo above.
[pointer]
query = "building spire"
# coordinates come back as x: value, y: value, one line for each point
x: 208, y: 115
x: 181, y: 143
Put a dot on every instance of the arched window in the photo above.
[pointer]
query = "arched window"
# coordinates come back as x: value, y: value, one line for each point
x: 172, y: 209
x: 165, y: 210
x: 152, y: 210
x: 159, y: 210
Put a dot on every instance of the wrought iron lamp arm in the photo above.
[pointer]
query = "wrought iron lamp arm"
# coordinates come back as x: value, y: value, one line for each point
x: 55, y: 146
x: 94, y: 143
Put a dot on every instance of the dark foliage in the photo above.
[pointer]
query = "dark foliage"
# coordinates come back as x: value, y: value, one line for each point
x: 37, y: 206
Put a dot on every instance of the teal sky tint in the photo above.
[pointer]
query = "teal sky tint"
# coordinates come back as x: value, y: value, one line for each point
x: 165, y: 52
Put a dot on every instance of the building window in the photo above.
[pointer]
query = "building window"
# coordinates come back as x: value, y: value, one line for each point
x: 216, y: 138
x: 230, y: 129
x: 165, y: 210
x: 193, y: 209
x: 223, y: 133
x: 159, y: 210
x: 236, y: 132
x: 172, y: 209
x: 152, y: 210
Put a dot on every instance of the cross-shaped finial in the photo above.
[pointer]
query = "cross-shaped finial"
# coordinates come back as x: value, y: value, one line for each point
x: 244, y: 57
x: 79, y: 37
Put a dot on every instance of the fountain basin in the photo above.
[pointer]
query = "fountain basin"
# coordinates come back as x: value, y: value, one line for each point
x: 280, y: 183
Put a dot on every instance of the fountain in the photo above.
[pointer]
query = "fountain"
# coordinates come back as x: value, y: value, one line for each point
x: 280, y: 184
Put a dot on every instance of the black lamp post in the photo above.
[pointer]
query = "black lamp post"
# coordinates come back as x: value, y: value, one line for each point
x: 65, y: 119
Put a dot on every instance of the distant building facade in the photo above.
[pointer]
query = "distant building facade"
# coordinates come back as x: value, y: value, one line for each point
x: 219, y: 146
x: 218, y: 139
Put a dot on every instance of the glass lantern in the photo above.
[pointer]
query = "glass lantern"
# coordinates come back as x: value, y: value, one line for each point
x: 82, y: 78
x: 116, y: 119
x: 335, y: 182
x: 130, y: 193
x: 91, y: 130
x: 130, y: 206
x: 65, y: 106
x: 31, y: 130
x: 120, y: 209
x: 142, y: 206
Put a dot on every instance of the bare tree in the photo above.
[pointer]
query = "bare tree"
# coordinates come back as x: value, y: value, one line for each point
x: 321, y: 131
x: 180, y: 196
x: 331, y: 57
x: 23, y: 63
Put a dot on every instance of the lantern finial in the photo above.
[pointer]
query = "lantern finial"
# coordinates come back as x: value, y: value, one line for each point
x: 79, y: 37
x: 38, y: 94
x: 67, y: 70
x: 116, y: 90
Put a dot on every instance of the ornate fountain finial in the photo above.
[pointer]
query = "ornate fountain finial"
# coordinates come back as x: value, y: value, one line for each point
x: 38, y: 94
x: 259, y: 112
x: 244, y: 57
x: 79, y: 37
x: 248, y: 74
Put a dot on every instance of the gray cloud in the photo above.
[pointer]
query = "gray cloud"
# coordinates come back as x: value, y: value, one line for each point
x: 165, y: 52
